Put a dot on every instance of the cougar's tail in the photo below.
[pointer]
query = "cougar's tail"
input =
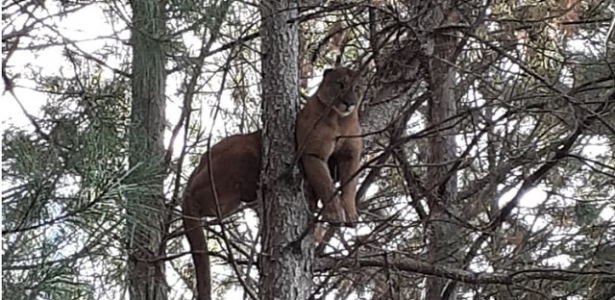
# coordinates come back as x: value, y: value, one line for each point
x: 198, y: 248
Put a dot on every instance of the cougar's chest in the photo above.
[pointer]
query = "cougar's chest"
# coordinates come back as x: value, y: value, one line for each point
x: 346, y: 130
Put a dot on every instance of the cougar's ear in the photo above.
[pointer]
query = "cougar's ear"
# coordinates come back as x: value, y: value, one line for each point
x: 327, y: 71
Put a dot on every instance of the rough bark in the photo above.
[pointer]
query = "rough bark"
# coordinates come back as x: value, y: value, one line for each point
x: 443, y: 234
x: 144, y: 228
x: 287, y: 255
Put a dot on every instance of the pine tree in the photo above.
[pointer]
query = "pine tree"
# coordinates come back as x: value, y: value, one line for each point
x: 287, y: 254
x: 144, y: 212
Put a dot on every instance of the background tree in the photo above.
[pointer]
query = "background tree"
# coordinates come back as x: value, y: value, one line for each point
x: 145, y: 211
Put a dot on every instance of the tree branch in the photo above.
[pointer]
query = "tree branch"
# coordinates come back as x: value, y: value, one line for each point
x: 411, y: 265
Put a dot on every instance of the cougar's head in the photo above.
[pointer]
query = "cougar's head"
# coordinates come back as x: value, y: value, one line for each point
x: 338, y: 90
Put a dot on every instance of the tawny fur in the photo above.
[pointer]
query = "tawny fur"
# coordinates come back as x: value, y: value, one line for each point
x: 235, y: 164
x: 328, y: 130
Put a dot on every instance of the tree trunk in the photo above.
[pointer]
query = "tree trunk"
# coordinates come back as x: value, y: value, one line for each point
x: 402, y: 65
x: 146, y: 151
x: 443, y: 239
x: 287, y: 253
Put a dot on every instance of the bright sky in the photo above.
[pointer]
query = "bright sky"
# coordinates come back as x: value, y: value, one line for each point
x: 51, y: 62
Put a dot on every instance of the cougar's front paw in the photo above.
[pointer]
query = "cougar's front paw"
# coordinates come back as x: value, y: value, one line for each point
x: 351, y: 219
x: 334, y: 213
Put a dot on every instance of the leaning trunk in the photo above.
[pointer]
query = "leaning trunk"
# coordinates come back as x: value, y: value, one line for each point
x: 144, y: 230
x: 287, y: 254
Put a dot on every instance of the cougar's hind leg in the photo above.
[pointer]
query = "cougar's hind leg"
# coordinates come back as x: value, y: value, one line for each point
x: 248, y: 178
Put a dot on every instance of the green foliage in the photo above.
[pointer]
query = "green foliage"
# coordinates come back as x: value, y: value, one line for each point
x: 66, y: 185
x: 524, y: 82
